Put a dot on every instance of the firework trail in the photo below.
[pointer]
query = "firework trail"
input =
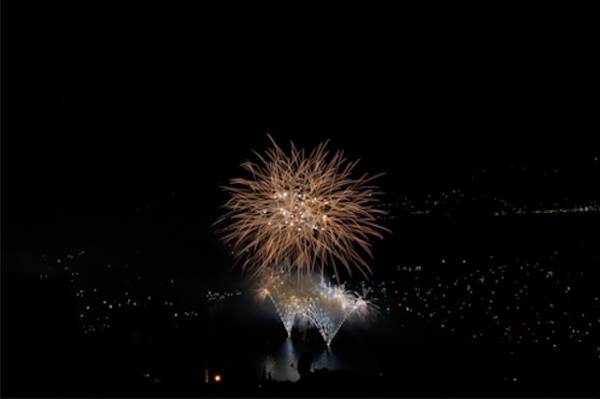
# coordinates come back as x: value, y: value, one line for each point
x: 302, y: 212
x: 286, y: 297
x: 329, y: 308
x: 322, y: 305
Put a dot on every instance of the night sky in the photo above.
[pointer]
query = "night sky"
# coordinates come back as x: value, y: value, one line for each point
x: 120, y: 124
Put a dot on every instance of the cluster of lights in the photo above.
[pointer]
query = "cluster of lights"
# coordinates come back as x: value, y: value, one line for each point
x: 444, y: 202
x: 320, y: 304
x: 299, y: 211
x: 216, y: 296
x: 576, y: 209
x: 97, y: 308
x: 503, y: 297
x: 409, y: 206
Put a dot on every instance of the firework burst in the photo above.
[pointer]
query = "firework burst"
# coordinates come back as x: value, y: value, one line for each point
x: 323, y: 305
x: 287, y: 298
x: 302, y: 211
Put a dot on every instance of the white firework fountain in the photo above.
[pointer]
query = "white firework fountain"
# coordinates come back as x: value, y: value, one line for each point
x: 323, y: 305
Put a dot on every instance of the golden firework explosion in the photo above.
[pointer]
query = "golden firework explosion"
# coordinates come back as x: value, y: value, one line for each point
x: 301, y: 212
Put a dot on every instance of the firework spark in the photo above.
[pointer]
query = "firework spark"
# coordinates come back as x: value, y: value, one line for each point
x: 322, y: 305
x: 287, y: 298
x: 302, y: 211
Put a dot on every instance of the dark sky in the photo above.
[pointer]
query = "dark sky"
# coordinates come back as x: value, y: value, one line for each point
x: 121, y: 110
x: 121, y: 121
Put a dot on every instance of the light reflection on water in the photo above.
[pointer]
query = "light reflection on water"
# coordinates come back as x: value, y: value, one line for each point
x: 282, y: 363
x: 327, y: 359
